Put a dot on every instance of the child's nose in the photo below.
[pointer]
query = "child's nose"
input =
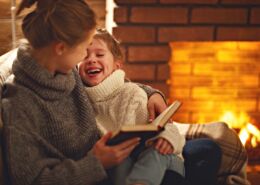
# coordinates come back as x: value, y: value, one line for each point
x: 91, y: 60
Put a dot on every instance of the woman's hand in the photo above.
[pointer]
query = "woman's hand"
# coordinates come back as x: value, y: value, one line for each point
x: 163, y: 146
x: 110, y: 156
x: 156, y: 105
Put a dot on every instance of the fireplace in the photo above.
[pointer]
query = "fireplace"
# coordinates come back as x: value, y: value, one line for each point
x: 219, y: 81
x: 230, y: 28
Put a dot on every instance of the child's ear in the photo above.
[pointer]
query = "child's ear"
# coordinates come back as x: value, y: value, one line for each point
x: 59, y: 48
x: 118, y: 64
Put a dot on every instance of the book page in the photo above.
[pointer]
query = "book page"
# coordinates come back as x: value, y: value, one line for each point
x: 162, y: 119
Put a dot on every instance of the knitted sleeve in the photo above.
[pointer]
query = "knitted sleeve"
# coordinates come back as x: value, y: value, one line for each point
x: 173, y: 136
x: 31, y: 159
x: 150, y: 91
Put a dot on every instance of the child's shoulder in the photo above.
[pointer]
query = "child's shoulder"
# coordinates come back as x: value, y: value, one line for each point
x: 133, y: 90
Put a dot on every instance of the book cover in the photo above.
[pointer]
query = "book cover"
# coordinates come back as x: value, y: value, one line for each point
x: 144, y: 131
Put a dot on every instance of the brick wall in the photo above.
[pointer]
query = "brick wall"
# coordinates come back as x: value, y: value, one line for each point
x: 99, y: 6
x: 213, y: 78
x: 146, y: 27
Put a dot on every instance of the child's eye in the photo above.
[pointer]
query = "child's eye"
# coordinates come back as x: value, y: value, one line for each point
x: 100, y: 55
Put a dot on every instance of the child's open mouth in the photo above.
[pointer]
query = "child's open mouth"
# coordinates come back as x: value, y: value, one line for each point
x: 94, y: 72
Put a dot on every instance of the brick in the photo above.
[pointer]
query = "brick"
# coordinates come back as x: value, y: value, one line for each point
x: 180, y: 93
x: 219, y: 15
x: 249, y: 46
x: 163, y: 72
x: 199, y: 105
x: 180, y: 68
x: 122, y: 2
x: 214, y: 93
x: 181, y: 117
x: 204, y: 117
x: 193, y: 33
x: 189, y: 1
x: 202, y: 68
x: 159, y: 15
x: 189, y: 81
x: 246, y: 2
x: 240, y: 80
x: 248, y: 93
x: 255, y: 16
x: 238, y: 33
x: 120, y: 15
x: 131, y: 34
x: 140, y: 72
x: 148, y: 53
x: 237, y: 56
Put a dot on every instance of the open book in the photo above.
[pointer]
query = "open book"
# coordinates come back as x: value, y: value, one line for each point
x: 144, y: 131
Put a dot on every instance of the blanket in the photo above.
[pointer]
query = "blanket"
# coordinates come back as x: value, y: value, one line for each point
x: 234, y: 156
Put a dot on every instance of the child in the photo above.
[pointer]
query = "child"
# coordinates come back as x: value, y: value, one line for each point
x: 116, y: 102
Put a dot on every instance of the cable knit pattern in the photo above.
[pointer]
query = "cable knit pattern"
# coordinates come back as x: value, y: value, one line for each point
x: 116, y: 102
x: 49, y: 127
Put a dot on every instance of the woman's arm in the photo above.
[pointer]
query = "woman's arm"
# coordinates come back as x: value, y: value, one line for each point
x: 31, y: 159
x: 156, y: 101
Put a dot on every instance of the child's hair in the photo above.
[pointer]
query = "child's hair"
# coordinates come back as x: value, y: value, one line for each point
x: 112, y: 44
x: 69, y: 21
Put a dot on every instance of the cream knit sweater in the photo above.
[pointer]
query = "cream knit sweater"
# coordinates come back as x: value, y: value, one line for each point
x: 117, y: 102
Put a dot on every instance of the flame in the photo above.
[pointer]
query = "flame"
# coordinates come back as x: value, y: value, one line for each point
x: 248, y: 132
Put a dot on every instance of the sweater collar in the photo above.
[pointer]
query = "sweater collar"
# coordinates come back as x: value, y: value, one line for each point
x: 107, y: 87
x: 48, y: 86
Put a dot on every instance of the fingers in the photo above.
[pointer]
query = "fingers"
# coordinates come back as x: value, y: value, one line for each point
x: 163, y: 146
x: 151, y: 110
x: 128, y: 143
x: 105, y: 138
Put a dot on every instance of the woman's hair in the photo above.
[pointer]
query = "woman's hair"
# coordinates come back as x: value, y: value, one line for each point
x: 69, y: 21
x: 112, y: 44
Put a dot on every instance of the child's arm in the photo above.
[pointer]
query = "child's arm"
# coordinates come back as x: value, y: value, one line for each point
x: 173, y: 136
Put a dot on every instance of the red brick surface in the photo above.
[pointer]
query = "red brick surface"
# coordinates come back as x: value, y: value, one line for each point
x: 134, y: 34
x: 135, y: 1
x: 219, y: 15
x: 255, y: 16
x: 159, y: 15
x: 140, y: 72
x: 120, y: 14
x: 189, y: 1
x: 193, y: 33
x: 148, y: 53
x: 252, y: 2
x: 238, y: 33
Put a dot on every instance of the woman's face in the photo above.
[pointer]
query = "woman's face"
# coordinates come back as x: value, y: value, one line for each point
x: 99, y: 63
x: 71, y: 56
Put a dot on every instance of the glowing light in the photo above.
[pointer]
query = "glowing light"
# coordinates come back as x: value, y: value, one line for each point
x: 243, y: 135
x: 248, y: 132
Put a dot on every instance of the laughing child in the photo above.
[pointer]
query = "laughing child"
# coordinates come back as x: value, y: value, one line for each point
x: 117, y: 102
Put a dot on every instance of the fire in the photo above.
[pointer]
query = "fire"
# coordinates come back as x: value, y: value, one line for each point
x: 248, y: 132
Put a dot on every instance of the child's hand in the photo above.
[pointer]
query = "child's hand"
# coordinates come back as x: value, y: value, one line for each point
x: 163, y: 146
x: 156, y: 105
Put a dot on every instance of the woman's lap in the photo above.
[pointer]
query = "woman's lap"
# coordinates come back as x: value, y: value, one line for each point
x: 202, y: 160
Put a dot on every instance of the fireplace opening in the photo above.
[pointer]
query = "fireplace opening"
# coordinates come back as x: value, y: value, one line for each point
x: 219, y: 81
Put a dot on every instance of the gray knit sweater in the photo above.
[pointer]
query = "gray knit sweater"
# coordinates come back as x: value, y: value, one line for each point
x: 49, y: 127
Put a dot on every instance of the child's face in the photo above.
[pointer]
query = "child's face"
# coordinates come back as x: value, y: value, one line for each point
x: 99, y: 63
